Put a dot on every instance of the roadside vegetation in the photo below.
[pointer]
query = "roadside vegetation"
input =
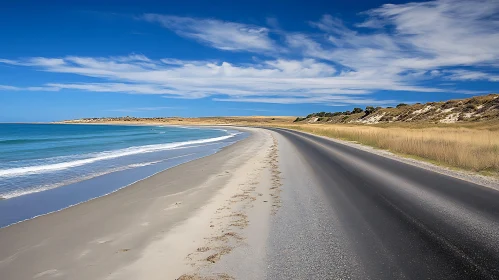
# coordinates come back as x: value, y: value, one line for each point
x: 460, y: 134
x: 472, y: 147
x: 456, y: 133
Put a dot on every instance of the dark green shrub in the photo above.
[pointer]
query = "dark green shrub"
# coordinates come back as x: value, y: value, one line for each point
x: 357, y: 110
x: 473, y: 101
x: 469, y: 108
x: 449, y: 104
x: 369, y: 110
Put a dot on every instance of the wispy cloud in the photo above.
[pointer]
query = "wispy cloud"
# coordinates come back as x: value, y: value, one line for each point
x: 412, y: 37
x: 394, y: 48
x: 230, y: 36
x: 441, y: 33
x: 42, y: 88
x: 306, y: 80
x: 467, y: 75
x: 326, y: 100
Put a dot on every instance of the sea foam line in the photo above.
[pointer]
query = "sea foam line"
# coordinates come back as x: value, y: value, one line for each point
x: 19, y: 171
x: 111, y: 192
x: 16, y: 193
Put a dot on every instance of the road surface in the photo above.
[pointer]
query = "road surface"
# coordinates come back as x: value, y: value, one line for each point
x: 351, y: 214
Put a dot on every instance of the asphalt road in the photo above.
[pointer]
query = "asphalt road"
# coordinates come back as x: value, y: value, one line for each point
x: 351, y: 214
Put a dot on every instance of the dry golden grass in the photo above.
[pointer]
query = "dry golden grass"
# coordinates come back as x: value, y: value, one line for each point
x: 470, y: 146
x: 475, y: 149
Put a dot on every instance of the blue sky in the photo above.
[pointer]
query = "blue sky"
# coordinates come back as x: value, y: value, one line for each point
x: 74, y: 59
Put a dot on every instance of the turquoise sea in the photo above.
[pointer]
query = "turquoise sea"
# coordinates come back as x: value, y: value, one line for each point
x: 58, y: 165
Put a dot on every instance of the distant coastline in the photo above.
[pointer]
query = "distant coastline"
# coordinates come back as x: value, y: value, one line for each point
x: 180, y: 121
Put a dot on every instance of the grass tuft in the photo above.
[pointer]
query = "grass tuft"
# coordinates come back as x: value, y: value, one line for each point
x: 469, y: 149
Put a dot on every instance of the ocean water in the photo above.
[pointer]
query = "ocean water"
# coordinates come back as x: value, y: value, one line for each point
x: 47, y: 167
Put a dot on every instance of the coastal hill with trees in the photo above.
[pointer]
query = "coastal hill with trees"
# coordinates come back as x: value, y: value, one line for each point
x: 479, y: 108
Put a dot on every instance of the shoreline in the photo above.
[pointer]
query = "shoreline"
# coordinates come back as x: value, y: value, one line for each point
x: 478, y: 164
x: 38, y: 203
x: 104, y: 235
x: 85, y: 201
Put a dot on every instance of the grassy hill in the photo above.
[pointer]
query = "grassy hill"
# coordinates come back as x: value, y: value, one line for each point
x: 462, y: 134
x: 475, y: 109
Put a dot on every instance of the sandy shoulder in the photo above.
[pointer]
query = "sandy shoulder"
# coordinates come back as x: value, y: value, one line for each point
x: 194, y: 248
x: 178, y: 222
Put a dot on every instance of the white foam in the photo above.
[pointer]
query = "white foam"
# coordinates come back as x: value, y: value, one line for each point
x: 16, y: 193
x: 34, y: 217
x: 21, y: 171
x: 144, y: 164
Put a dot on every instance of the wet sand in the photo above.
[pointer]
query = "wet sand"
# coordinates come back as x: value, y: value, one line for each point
x: 177, y: 222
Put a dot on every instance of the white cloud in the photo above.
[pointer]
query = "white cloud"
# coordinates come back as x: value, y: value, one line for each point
x: 4, y: 87
x: 308, y: 46
x: 427, y: 36
x: 326, y: 100
x: 337, y: 64
x: 444, y: 32
x: 466, y: 75
x: 333, y: 25
x: 230, y: 36
x: 306, y: 81
x: 279, y: 77
x: 14, y: 88
x: 9, y: 61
